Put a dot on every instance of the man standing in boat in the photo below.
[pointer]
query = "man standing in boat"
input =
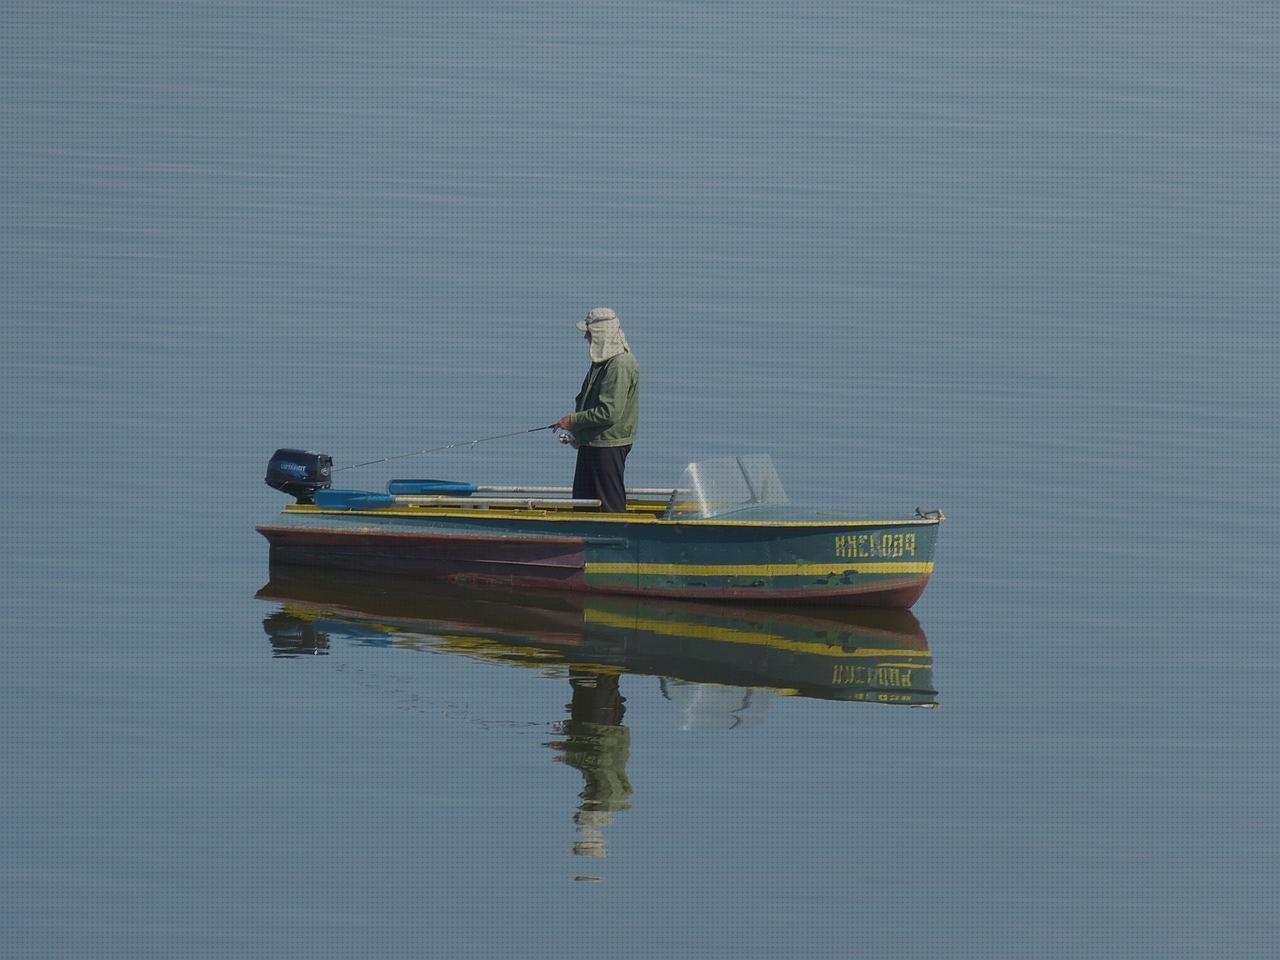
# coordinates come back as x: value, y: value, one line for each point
x: 606, y: 412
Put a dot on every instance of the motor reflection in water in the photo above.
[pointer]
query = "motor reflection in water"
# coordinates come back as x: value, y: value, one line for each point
x: 719, y: 665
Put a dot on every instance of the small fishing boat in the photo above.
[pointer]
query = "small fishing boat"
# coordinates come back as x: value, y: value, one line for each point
x: 829, y: 653
x: 726, y: 531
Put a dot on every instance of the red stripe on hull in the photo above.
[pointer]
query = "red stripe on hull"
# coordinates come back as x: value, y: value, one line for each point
x: 886, y: 594
x: 555, y: 562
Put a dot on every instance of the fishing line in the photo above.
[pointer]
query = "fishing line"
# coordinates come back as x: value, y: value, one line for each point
x: 447, y: 446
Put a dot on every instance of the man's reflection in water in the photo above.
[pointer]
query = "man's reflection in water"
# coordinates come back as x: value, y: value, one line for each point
x: 597, y: 745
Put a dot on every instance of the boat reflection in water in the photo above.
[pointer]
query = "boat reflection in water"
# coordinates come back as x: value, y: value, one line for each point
x: 719, y: 665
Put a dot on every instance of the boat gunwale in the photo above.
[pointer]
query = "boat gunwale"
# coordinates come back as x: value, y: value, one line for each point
x: 489, y: 513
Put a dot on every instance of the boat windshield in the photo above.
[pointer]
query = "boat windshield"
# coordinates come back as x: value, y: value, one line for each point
x: 712, y: 488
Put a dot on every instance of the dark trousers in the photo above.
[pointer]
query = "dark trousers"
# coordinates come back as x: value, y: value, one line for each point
x: 598, y: 476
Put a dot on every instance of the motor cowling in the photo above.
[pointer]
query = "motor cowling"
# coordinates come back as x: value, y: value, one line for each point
x: 299, y: 473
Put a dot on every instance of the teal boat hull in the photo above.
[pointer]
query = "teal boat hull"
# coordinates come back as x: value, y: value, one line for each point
x: 750, y: 556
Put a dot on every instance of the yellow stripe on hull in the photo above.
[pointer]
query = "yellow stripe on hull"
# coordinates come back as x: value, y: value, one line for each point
x: 730, y: 635
x: 755, y: 570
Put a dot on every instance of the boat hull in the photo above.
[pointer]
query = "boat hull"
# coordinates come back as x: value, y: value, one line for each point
x: 863, y: 563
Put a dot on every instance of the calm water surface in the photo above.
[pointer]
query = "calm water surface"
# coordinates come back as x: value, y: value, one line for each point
x: 1016, y: 261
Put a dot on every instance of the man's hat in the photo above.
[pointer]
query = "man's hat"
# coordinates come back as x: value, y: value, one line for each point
x: 596, y: 315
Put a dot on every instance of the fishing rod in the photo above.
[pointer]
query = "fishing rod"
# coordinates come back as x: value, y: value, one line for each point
x: 447, y: 446
x: 300, y: 473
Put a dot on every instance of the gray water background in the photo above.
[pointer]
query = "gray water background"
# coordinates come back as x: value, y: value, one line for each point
x: 1013, y: 260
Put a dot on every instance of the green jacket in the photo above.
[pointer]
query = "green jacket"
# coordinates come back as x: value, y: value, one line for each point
x: 608, y: 405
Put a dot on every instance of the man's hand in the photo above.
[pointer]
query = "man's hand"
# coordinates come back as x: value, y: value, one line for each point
x: 564, y: 423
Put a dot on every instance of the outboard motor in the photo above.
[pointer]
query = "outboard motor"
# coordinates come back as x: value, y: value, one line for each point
x: 299, y: 473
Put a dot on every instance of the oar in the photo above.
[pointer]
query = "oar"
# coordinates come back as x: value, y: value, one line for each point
x: 426, y: 488
x: 457, y: 488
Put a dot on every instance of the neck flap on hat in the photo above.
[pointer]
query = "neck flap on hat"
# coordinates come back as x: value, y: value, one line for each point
x: 607, y: 341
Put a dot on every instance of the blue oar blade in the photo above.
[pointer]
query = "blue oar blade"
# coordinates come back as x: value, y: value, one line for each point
x: 430, y: 488
x: 353, y: 500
